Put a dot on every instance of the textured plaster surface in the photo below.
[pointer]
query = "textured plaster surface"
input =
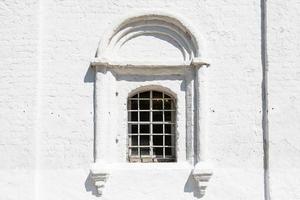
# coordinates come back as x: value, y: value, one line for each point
x: 70, y: 33
x: 284, y: 94
x: 18, y: 77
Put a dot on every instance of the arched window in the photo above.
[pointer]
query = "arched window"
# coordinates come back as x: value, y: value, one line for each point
x: 151, y: 127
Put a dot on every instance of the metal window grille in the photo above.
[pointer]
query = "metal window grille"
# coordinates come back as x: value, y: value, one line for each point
x: 151, y: 127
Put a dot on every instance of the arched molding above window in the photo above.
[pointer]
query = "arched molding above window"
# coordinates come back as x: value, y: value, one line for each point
x: 160, y: 26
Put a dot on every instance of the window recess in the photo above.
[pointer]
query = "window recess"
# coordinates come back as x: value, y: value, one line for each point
x: 151, y: 127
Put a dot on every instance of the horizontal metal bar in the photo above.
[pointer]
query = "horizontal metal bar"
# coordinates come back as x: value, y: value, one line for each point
x: 142, y: 122
x: 148, y: 98
x: 162, y: 110
x: 151, y: 134
x: 154, y: 156
x: 158, y: 146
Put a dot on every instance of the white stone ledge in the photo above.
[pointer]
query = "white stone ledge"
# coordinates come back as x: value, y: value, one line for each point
x: 106, y: 62
x: 103, y: 62
x: 146, y: 166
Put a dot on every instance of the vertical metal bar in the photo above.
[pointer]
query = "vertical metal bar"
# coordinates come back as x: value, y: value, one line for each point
x: 173, y: 133
x: 129, y: 139
x: 151, y: 126
x: 139, y: 129
x: 163, y: 109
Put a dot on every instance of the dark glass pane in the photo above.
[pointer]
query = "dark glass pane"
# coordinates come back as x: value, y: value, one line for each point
x: 168, y: 116
x: 134, y: 151
x: 167, y: 96
x: 145, y: 116
x: 145, y: 95
x: 144, y: 104
x: 157, y: 116
x: 145, y: 151
x: 144, y: 140
x: 133, y: 116
x: 156, y: 94
x: 168, y: 140
x: 157, y: 104
x: 134, y: 140
x: 133, y: 128
x: 158, y: 140
x: 157, y: 128
x: 168, y: 104
x: 135, y: 96
x: 158, y: 151
x: 168, y: 151
x: 133, y: 105
x: 168, y: 128
x: 144, y: 128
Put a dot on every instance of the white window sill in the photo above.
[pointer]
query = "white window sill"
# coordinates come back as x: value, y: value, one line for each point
x: 141, y: 166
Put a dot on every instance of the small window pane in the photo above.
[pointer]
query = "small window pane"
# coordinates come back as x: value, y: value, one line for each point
x: 168, y: 140
x: 133, y: 128
x: 168, y: 116
x: 156, y: 94
x: 167, y: 96
x: 133, y: 116
x: 168, y: 104
x: 134, y: 151
x: 144, y: 128
x: 157, y: 116
x: 144, y: 104
x: 157, y: 104
x: 145, y: 95
x: 158, y: 151
x: 168, y: 151
x: 158, y: 140
x: 157, y: 128
x: 133, y: 105
x: 144, y: 140
x: 145, y: 116
x: 145, y: 151
x: 168, y: 128
x: 134, y: 140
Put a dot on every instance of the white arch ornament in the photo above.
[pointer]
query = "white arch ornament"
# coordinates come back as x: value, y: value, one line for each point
x: 155, y: 23
x: 190, y: 46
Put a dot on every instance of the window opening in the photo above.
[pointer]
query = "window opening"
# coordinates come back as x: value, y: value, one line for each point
x: 151, y: 127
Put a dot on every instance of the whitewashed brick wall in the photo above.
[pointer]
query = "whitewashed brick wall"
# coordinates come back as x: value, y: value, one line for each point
x: 46, y: 98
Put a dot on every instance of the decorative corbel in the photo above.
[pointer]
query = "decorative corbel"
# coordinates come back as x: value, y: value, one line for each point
x: 99, y: 175
x: 202, y: 174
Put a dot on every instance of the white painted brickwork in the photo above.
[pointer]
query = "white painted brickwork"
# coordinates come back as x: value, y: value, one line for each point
x: 47, y: 99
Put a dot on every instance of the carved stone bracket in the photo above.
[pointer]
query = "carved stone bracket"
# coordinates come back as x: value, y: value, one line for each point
x: 202, y: 174
x: 99, y: 175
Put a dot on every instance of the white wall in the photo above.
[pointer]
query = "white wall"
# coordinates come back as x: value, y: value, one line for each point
x: 69, y: 35
x: 18, y: 81
x: 284, y: 91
